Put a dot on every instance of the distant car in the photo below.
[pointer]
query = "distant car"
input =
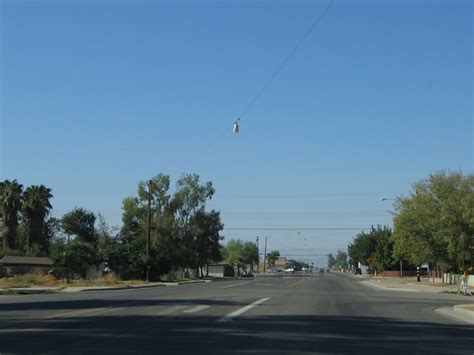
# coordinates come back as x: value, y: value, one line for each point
x: 358, y: 271
x: 321, y: 271
x: 272, y: 271
x: 289, y: 270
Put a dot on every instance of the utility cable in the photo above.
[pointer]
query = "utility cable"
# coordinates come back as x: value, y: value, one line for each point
x: 282, y: 65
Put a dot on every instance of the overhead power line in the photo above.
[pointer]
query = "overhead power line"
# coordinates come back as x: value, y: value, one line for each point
x: 285, y: 61
x: 295, y: 229
x: 303, y: 195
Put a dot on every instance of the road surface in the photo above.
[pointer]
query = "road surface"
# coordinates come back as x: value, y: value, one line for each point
x: 322, y: 313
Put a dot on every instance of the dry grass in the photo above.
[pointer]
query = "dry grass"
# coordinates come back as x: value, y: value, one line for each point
x: 28, y: 280
x: 38, y: 280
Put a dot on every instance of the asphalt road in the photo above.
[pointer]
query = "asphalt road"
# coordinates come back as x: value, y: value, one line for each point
x: 321, y: 313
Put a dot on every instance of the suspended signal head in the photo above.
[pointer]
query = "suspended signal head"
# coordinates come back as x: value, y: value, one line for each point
x: 235, y: 127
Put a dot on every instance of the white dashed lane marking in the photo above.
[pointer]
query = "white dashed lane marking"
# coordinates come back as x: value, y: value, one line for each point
x: 242, y: 310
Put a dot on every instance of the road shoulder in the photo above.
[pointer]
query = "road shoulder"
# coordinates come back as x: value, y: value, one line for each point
x: 463, y: 312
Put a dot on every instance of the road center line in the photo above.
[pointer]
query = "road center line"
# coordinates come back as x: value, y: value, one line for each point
x: 233, y: 285
x: 238, y: 312
x: 196, y: 309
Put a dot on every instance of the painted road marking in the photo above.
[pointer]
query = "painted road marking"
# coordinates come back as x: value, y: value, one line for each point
x: 196, y: 309
x: 238, y: 312
x: 169, y: 310
x: 233, y: 285
x: 296, y: 283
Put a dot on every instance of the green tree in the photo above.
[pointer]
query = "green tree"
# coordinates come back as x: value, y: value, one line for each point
x: 435, y: 222
x: 10, y: 205
x: 79, y: 256
x: 36, y: 207
x: 331, y: 261
x: 206, y: 228
x: 376, y: 245
x: 234, y: 253
x: 190, y: 196
x: 80, y: 223
x: 126, y: 252
x: 341, y: 259
x: 249, y: 255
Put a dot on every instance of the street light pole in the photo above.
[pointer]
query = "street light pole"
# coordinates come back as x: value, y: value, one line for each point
x: 265, y: 255
x: 148, y: 233
x: 258, y: 257
x: 1, y: 230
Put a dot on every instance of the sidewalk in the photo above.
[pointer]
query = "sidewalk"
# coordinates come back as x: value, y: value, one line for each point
x: 464, y: 312
x: 407, y: 284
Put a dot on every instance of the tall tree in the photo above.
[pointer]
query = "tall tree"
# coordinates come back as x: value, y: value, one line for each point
x: 80, y: 223
x: 435, y: 223
x: 190, y: 196
x: 376, y: 246
x: 10, y: 205
x: 341, y: 259
x: 206, y: 228
x: 36, y: 206
x: 250, y: 254
x: 331, y: 261
x: 234, y: 253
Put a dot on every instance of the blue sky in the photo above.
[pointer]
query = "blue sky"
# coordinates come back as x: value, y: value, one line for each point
x: 98, y: 95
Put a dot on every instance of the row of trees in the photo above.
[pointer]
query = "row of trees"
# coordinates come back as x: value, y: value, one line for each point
x: 241, y: 254
x: 31, y: 207
x: 339, y: 261
x: 433, y: 224
x: 183, y: 233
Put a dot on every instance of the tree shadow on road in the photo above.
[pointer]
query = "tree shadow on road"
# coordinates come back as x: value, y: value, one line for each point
x: 194, y: 334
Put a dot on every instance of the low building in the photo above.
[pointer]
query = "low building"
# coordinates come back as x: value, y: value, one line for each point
x: 281, y: 263
x: 221, y: 270
x: 11, y: 265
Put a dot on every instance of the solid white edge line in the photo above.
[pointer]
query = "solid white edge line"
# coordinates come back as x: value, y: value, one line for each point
x: 238, y: 312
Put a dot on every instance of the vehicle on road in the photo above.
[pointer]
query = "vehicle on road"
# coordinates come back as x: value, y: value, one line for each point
x: 358, y: 271
x: 289, y: 270
x: 321, y: 271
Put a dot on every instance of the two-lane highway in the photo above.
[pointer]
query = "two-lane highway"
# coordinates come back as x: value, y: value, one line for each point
x: 321, y: 313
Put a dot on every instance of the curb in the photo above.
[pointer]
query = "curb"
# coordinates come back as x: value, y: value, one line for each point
x: 70, y: 289
x: 116, y: 288
x: 459, y: 309
x: 457, y: 313
x: 29, y: 291
x: 371, y: 284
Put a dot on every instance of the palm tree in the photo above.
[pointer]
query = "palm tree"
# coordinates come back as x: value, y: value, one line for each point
x: 10, y: 204
x: 36, y: 207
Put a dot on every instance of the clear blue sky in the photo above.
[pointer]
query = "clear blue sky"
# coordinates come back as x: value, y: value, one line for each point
x: 98, y: 95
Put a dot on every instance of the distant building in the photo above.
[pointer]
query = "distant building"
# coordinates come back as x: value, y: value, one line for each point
x: 221, y: 270
x: 363, y: 268
x: 280, y: 264
x: 11, y: 265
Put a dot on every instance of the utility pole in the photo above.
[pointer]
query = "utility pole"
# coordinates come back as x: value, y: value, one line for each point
x: 148, y: 233
x: 258, y: 257
x: 265, y: 255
